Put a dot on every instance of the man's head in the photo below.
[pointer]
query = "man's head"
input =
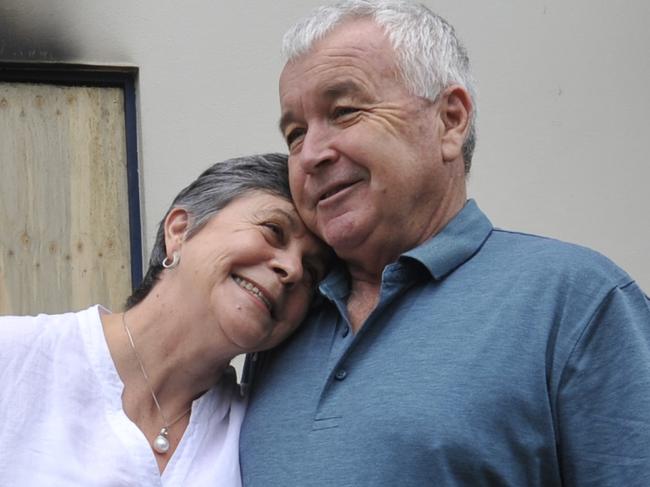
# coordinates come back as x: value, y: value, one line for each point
x: 377, y: 113
x: 428, y: 53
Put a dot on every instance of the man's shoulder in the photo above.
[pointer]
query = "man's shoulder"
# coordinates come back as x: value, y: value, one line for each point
x: 553, y: 257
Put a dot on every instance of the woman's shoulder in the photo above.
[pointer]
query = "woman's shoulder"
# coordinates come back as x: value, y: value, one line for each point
x: 22, y: 334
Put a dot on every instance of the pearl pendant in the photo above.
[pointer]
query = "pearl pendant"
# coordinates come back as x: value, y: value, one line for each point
x: 161, y: 443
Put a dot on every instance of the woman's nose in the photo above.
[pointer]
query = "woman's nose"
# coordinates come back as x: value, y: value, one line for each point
x: 287, y: 264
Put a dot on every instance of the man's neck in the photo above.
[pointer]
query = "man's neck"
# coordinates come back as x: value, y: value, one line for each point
x: 363, y: 298
x: 366, y: 268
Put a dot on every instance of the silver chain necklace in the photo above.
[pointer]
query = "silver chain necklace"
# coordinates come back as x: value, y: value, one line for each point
x: 160, y: 443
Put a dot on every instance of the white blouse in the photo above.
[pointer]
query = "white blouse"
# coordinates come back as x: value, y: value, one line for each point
x: 61, y: 417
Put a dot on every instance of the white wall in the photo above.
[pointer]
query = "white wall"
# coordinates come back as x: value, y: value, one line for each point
x: 563, y: 99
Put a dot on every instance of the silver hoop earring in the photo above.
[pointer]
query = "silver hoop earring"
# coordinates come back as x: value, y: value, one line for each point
x: 176, y: 258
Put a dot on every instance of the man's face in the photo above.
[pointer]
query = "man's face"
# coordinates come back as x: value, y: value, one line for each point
x: 365, y: 159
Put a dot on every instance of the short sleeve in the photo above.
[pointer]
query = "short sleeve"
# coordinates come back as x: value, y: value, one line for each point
x: 604, y: 396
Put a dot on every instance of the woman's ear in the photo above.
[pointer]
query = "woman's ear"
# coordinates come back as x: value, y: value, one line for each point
x: 176, y: 226
x: 455, y: 112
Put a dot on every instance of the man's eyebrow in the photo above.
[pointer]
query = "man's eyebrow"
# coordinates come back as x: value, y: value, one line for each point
x: 285, y: 120
x: 341, y: 88
x: 331, y: 92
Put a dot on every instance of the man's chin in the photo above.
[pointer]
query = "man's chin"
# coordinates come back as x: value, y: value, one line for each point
x: 343, y: 235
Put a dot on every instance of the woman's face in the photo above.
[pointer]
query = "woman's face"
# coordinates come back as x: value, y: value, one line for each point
x: 253, y: 268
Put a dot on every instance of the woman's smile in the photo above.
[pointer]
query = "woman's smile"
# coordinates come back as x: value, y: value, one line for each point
x: 254, y: 289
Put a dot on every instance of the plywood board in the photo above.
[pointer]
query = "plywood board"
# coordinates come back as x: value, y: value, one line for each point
x: 64, y: 233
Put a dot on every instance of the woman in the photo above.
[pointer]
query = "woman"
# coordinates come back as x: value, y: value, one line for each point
x: 146, y: 397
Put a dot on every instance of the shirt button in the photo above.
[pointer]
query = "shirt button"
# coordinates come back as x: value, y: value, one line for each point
x: 346, y: 330
x: 341, y: 374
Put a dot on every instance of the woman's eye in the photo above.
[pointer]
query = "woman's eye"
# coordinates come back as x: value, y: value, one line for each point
x: 275, y: 230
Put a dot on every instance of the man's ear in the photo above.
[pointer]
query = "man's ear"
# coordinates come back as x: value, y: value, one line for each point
x: 176, y: 225
x: 455, y: 112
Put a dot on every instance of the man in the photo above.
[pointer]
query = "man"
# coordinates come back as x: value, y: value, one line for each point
x: 443, y: 351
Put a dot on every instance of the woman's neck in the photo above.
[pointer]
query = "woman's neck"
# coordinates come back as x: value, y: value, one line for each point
x: 179, y: 364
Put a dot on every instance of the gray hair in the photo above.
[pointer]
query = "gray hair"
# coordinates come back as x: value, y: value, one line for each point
x: 429, y: 55
x: 213, y: 190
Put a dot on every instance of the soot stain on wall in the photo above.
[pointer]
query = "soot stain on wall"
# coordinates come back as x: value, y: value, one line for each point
x: 28, y: 33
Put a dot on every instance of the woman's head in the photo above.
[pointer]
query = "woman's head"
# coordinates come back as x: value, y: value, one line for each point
x: 215, y: 188
x: 247, y: 277
x: 245, y: 266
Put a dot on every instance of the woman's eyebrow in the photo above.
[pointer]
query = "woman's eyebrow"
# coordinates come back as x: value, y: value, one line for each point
x: 289, y: 217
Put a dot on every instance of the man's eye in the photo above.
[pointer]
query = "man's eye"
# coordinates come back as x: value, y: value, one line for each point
x: 293, y: 136
x: 343, y: 111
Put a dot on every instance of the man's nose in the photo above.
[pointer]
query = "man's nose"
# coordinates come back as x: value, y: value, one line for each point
x: 317, y: 149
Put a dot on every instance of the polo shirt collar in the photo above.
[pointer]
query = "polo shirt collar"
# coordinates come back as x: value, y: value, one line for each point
x: 337, y: 283
x: 456, y: 243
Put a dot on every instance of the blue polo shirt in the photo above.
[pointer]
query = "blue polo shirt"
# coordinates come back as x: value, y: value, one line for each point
x: 493, y: 358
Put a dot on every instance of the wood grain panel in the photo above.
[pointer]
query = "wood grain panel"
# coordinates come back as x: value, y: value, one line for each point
x: 64, y: 234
